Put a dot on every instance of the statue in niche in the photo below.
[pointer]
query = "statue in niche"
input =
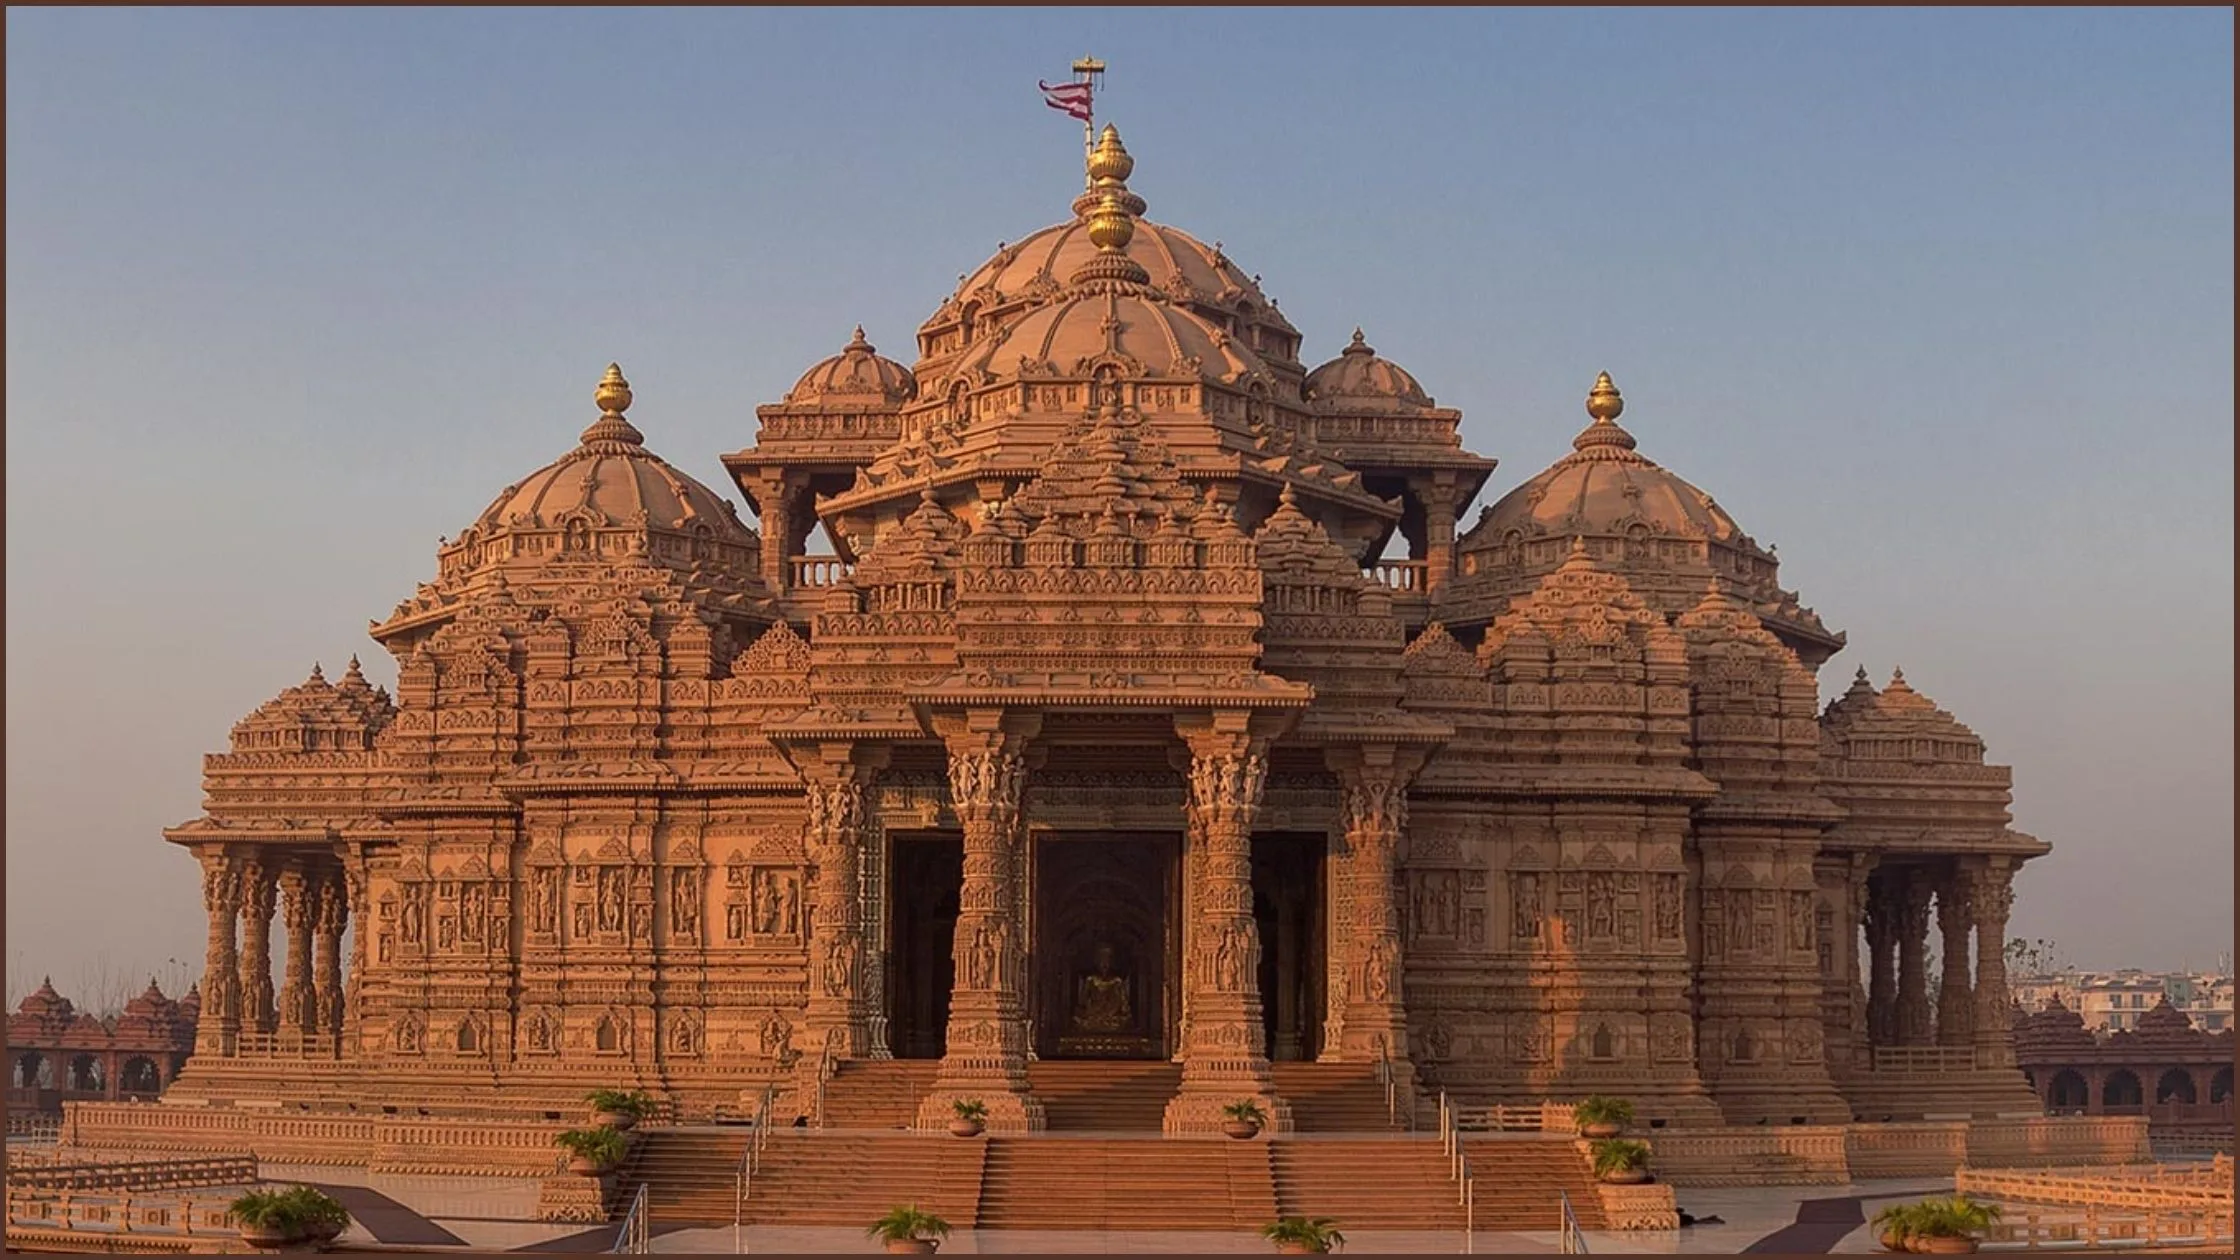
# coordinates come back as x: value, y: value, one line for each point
x: 1669, y: 1042
x: 1602, y: 916
x: 684, y: 905
x: 1100, y: 1003
x: 1526, y: 916
x: 408, y: 1035
x: 1800, y: 920
x: 415, y: 915
x: 789, y: 904
x: 1824, y: 938
x: 474, y: 911
x: 735, y: 875
x: 1741, y: 920
x: 1804, y: 1041
x: 447, y: 932
x: 1376, y: 979
x: 735, y: 919
x: 544, y: 900
x: 610, y: 899
x: 777, y: 1039
x: 538, y: 1032
x: 1228, y: 960
x: 765, y: 902
x: 840, y: 968
x: 582, y: 920
x: 1668, y: 907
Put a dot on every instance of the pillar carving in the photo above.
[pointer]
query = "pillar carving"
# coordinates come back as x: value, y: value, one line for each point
x: 1374, y: 814
x: 841, y: 992
x: 1442, y: 498
x: 219, y: 1026
x: 1224, y: 1050
x: 357, y: 909
x: 1992, y: 892
x: 1855, y: 914
x: 1915, y: 1015
x: 258, y: 892
x: 298, y: 897
x: 986, y: 1054
x: 1954, y: 997
x: 329, y: 917
x: 1881, y: 924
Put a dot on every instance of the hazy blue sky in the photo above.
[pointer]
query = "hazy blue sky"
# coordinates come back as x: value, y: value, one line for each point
x: 1939, y: 302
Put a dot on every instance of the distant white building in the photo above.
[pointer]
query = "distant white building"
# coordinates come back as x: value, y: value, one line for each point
x: 2114, y: 1000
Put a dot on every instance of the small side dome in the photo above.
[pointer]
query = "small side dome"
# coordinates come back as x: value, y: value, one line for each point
x: 858, y: 374
x: 1360, y: 380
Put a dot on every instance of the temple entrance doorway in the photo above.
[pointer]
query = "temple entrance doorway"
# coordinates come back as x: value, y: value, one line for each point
x: 1288, y: 902
x: 927, y: 874
x: 1105, y: 934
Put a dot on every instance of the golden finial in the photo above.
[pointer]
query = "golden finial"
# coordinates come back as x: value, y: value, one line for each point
x: 614, y: 392
x: 1109, y: 162
x: 613, y: 397
x: 1603, y: 401
x: 1111, y: 227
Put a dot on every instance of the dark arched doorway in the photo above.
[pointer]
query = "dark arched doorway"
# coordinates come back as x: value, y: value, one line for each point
x: 85, y: 1074
x: 2122, y: 1090
x: 2220, y: 1085
x: 140, y: 1076
x: 2176, y: 1086
x: 2068, y: 1092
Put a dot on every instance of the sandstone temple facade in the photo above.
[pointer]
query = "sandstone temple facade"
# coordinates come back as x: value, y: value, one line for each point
x: 1161, y: 699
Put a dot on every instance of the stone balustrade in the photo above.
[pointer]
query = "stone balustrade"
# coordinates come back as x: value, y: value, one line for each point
x: 429, y: 1145
x: 2035, y: 1228
x: 63, y: 1218
x: 1835, y: 1154
x: 1530, y: 1118
x: 1399, y: 575
x: 137, y: 1174
x: 2201, y: 1189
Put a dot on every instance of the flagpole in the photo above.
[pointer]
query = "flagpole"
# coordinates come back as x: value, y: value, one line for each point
x: 1086, y: 71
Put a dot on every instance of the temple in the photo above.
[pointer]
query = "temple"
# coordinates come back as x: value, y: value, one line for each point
x: 1158, y: 702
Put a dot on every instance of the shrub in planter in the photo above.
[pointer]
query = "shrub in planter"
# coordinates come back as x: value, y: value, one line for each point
x: 1302, y: 1235
x: 1245, y: 1118
x: 1599, y: 1116
x: 1620, y: 1162
x: 268, y: 1219
x: 1893, y: 1225
x: 619, y: 1109
x: 972, y: 1117
x: 320, y: 1217
x: 593, y: 1151
x: 1948, y: 1226
x: 906, y: 1230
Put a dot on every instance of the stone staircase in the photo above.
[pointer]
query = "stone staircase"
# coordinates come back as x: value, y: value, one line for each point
x: 1126, y: 1184
x: 1060, y: 1182
x: 1338, y: 1098
x: 1080, y: 1096
x: 877, y: 1093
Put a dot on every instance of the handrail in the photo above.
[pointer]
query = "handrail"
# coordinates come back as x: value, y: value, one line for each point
x: 1569, y: 1240
x: 1386, y: 1078
x: 825, y: 1067
x: 635, y: 1238
x: 742, y: 1182
x: 1458, y: 1168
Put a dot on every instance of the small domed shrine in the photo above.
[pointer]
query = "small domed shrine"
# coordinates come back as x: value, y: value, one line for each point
x: 1154, y: 709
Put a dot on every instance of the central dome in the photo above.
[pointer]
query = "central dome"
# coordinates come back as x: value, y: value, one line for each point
x: 1153, y: 338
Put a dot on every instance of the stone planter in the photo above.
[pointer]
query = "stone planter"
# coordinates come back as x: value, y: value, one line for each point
x: 323, y: 1236
x: 1300, y: 1249
x: 619, y: 1121
x: 1600, y: 1130
x: 267, y: 1237
x: 913, y: 1246
x: 1948, y: 1246
x: 1241, y: 1129
x: 1892, y: 1240
x: 582, y: 1167
x: 966, y: 1128
x: 1627, y: 1177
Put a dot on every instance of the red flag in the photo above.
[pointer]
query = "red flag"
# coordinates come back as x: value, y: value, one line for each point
x: 1067, y: 98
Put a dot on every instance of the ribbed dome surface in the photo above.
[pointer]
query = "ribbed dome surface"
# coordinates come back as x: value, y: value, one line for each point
x: 1164, y: 339
x: 859, y: 373
x: 1186, y: 268
x: 1361, y: 380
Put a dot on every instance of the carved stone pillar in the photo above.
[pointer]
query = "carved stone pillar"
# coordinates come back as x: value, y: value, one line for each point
x: 840, y: 984
x: 219, y: 1026
x: 297, y: 904
x: 1881, y: 923
x: 777, y: 529
x: 329, y: 917
x: 1954, y: 918
x: 257, y: 895
x: 986, y: 1056
x: 1224, y: 1046
x: 1915, y: 1016
x: 1855, y: 914
x: 1375, y: 815
x: 358, y: 909
x: 1441, y: 499
x: 1993, y: 890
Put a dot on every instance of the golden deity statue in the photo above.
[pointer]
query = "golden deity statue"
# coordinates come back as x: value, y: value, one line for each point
x: 1101, y: 1002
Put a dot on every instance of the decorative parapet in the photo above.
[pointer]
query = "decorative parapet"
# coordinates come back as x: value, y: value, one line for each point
x: 574, y: 1197
x: 1811, y: 1155
x: 1649, y: 1206
x: 459, y: 1146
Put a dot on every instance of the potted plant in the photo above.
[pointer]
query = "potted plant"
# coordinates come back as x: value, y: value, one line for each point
x: 1949, y: 1226
x: 268, y: 1219
x: 1245, y: 1119
x: 321, y: 1217
x: 908, y: 1231
x: 618, y: 1109
x: 592, y: 1151
x: 1303, y: 1236
x: 1894, y: 1225
x: 972, y: 1117
x: 1599, y: 1116
x: 1620, y: 1162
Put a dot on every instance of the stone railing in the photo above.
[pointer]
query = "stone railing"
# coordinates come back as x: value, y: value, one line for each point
x: 252, y: 1045
x: 66, y: 1219
x: 1399, y: 575
x: 137, y: 1175
x: 815, y: 571
x: 431, y: 1145
x: 1530, y: 1118
x: 2201, y: 1188
x: 1807, y: 1155
x: 1833, y: 1154
x: 2034, y: 1228
x: 1924, y: 1059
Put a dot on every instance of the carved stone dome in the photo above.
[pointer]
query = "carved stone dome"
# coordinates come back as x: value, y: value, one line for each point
x: 1361, y: 380
x: 611, y: 479
x: 1179, y: 263
x: 858, y: 374
x: 1118, y: 323
x: 1605, y: 487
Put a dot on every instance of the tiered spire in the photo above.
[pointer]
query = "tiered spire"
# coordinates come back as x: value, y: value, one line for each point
x: 1111, y: 212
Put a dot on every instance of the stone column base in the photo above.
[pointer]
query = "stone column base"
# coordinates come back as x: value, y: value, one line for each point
x: 1209, y: 1087
x: 1011, y: 1108
x: 573, y: 1197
